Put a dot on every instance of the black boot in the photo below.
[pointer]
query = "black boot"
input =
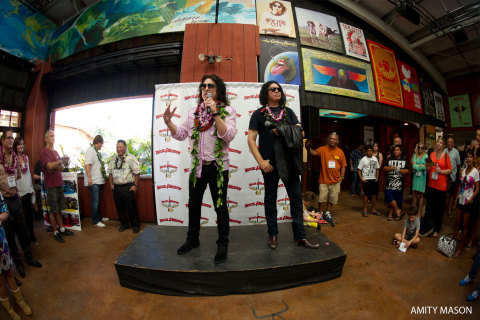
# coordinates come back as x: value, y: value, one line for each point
x: 187, y: 246
x: 221, y: 255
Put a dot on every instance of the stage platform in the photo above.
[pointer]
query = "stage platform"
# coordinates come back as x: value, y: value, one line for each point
x: 151, y: 263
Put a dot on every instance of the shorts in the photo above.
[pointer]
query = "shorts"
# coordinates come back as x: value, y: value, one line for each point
x: 409, y: 236
x: 471, y: 208
x: 370, y: 188
x: 56, y: 199
x: 396, y: 195
x: 329, y: 192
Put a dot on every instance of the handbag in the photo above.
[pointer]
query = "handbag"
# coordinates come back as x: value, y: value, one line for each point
x: 447, y: 245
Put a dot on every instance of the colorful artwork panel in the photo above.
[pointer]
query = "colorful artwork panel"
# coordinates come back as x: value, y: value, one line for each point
x: 428, y: 98
x: 385, y: 70
x: 410, y: 87
x: 439, y: 109
x: 335, y: 74
x: 319, y: 30
x: 279, y: 60
x: 275, y: 17
x: 460, y: 112
x: 354, y: 41
x: 237, y: 11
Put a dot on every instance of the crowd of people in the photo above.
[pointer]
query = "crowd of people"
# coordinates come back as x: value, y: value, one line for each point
x: 437, y: 175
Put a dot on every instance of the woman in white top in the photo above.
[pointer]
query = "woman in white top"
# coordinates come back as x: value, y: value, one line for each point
x: 25, y: 187
x: 467, y: 201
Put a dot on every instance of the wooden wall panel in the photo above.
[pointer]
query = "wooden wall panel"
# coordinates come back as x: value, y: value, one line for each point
x: 226, y: 40
x: 238, y: 41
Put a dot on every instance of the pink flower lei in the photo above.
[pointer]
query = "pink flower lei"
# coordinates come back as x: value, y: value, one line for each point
x: 269, y: 115
x: 12, y: 169
x: 24, y: 168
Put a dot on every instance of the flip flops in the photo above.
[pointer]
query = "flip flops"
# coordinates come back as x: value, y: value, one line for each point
x: 389, y: 218
x: 365, y: 214
x: 376, y: 213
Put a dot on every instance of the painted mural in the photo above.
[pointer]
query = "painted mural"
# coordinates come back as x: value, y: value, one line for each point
x: 355, y: 43
x: 24, y: 34
x: 237, y: 11
x: 460, y: 112
x: 113, y: 20
x: 279, y: 60
x: 332, y: 73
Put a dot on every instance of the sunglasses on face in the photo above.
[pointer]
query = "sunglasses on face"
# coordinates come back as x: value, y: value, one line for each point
x: 274, y: 89
x: 420, y: 147
x: 209, y: 85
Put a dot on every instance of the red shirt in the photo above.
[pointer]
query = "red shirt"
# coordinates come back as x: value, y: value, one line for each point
x: 443, y: 163
x: 52, y: 179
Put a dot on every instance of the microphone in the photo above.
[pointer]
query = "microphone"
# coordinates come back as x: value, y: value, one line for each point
x: 209, y: 95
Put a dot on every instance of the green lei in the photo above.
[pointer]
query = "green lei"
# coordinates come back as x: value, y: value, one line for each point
x: 102, y: 164
x: 218, y: 152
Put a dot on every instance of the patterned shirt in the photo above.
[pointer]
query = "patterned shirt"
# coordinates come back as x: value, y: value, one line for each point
x: 124, y: 170
x: 5, y: 189
x: 356, y: 156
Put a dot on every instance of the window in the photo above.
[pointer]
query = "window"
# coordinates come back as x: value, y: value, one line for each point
x: 9, y: 119
x: 129, y: 120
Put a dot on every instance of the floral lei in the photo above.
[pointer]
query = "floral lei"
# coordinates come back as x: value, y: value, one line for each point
x: 204, y: 121
x: 270, y: 116
x: 24, y: 169
x: 102, y: 164
x: 13, y: 168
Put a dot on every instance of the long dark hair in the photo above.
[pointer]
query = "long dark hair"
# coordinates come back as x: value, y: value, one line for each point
x: 16, y: 142
x: 264, y: 94
x: 219, y: 87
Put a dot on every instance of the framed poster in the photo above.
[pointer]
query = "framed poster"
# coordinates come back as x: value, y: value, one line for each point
x: 476, y: 109
x: 354, y: 41
x: 439, y: 109
x: 460, y: 112
x: 318, y: 30
x: 427, y: 97
x: 237, y: 12
x: 332, y: 73
x: 385, y: 70
x: 279, y: 60
x: 410, y: 87
x: 275, y: 17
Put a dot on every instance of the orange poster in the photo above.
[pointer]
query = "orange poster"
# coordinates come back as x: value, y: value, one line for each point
x: 387, y: 80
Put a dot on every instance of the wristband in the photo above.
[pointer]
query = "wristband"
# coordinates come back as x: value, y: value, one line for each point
x: 215, y: 114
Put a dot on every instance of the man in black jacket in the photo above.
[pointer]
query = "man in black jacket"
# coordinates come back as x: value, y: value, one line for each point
x: 263, y: 123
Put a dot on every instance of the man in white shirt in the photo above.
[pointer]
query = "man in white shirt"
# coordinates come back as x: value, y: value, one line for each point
x: 95, y: 177
x: 456, y: 170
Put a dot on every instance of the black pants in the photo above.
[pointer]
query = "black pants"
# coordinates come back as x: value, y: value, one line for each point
x: 28, y: 213
x: 195, y: 197
x: 434, y: 211
x: 294, y: 191
x: 15, y: 225
x: 125, y: 201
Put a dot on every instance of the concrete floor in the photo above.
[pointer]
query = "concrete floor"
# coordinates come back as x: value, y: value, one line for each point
x: 78, y: 279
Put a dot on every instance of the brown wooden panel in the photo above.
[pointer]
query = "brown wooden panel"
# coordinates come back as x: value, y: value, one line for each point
x: 201, y: 47
x: 249, y: 40
x: 188, y: 55
x: 238, y: 53
x: 214, y: 31
x: 257, y: 40
x: 143, y: 196
x: 226, y: 39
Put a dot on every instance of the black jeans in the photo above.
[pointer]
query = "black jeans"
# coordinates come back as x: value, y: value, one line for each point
x: 294, y: 191
x: 15, y: 224
x: 28, y: 212
x: 195, y: 197
x: 435, y: 209
x: 125, y: 201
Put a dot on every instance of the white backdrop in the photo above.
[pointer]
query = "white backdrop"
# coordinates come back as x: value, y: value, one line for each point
x: 171, y: 160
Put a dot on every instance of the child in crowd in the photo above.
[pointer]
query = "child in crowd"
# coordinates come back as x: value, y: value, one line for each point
x: 410, y: 235
x: 310, y: 217
x: 396, y: 169
x: 368, y: 173
x: 466, y: 202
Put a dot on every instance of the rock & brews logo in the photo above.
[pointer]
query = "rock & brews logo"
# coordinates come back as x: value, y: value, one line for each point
x: 258, y: 219
x: 284, y: 203
x: 170, y: 204
x: 231, y: 204
x: 168, y: 169
x: 257, y: 187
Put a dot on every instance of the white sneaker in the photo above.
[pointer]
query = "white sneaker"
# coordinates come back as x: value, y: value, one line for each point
x: 105, y: 219
x: 100, y: 224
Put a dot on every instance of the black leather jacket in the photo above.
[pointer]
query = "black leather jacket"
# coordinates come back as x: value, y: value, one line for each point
x: 288, y: 151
